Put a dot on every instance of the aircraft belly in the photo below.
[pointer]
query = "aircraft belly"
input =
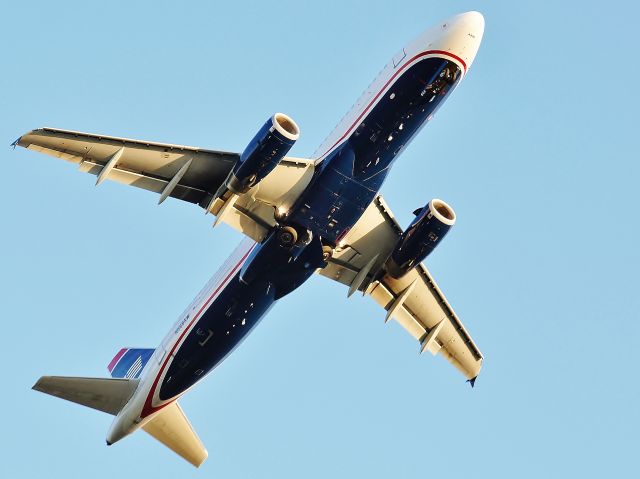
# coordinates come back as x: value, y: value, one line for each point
x: 343, y: 187
x: 222, y: 327
x: 352, y: 174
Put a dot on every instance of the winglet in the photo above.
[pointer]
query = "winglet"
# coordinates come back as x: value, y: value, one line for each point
x: 472, y: 381
x: 15, y: 143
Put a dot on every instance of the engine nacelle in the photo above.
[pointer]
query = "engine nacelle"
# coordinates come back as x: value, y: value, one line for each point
x: 421, y: 237
x: 272, y: 142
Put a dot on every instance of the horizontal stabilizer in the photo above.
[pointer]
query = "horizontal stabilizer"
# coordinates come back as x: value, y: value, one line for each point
x: 172, y: 428
x: 107, y: 395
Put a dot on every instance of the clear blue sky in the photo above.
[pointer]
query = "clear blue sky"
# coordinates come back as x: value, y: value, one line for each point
x: 536, y: 151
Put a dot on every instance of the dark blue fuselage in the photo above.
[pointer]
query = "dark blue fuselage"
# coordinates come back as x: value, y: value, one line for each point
x: 221, y: 328
x: 351, y: 175
x: 343, y: 185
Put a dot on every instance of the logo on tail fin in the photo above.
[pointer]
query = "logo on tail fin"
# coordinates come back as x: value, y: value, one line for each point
x: 129, y: 362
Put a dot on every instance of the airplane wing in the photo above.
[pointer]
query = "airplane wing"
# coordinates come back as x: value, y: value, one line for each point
x: 172, y: 428
x: 415, y: 300
x: 182, y: 172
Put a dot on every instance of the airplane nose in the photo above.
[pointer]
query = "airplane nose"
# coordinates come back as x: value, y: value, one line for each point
x: 465, y: 34
x: 474, y: 21
x: 475, y: 25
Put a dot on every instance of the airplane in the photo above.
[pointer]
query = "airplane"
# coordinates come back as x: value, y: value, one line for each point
x: 299, y: 217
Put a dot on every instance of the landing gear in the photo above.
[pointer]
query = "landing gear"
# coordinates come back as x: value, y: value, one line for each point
x: 327, y: 253
x: 287, y: 236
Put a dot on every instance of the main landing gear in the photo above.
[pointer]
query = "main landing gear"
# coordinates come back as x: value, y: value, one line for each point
x: 288, y: 237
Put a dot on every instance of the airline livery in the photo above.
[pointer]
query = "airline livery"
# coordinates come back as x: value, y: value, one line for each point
x: 300, y: 216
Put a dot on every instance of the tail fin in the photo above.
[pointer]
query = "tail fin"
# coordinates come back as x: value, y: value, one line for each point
x: 172, y: 428
x: 107, y: 395
x: 129, y: 362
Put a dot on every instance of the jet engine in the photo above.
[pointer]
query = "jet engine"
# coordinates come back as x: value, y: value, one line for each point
x: 424, y: 233
x: 272, y: 142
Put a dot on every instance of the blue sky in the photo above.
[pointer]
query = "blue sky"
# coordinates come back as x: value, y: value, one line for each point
x: 536, y: 151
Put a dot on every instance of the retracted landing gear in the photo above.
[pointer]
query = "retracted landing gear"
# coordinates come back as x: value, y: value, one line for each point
x: 287, y: 236
x: 285, y: 259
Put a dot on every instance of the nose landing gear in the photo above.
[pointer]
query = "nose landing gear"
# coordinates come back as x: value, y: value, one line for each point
x: 288, y: 237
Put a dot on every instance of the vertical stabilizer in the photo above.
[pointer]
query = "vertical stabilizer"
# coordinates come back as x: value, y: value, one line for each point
x: 128, y: 363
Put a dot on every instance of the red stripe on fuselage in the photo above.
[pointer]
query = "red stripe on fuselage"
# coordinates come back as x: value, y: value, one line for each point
x: 148, y: 407
x: 393, y: 77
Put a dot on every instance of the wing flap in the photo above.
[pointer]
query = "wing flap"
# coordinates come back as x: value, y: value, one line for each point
x: 375, y: 234
x: 155, y: 163
x: 182, y: 172
x: 74, y: 158
x: 254, y: 213
x: 423, y: 311
x: 146, y: 182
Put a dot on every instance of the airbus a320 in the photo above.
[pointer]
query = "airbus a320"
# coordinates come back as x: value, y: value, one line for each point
x: 300, y: 216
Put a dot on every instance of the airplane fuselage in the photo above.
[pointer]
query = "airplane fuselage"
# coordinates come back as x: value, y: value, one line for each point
x: 353, y: 171
x: 353, y: 163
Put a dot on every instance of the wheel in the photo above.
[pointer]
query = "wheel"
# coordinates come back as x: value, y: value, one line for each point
x: 327, y: 253
x: 287, y: 236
